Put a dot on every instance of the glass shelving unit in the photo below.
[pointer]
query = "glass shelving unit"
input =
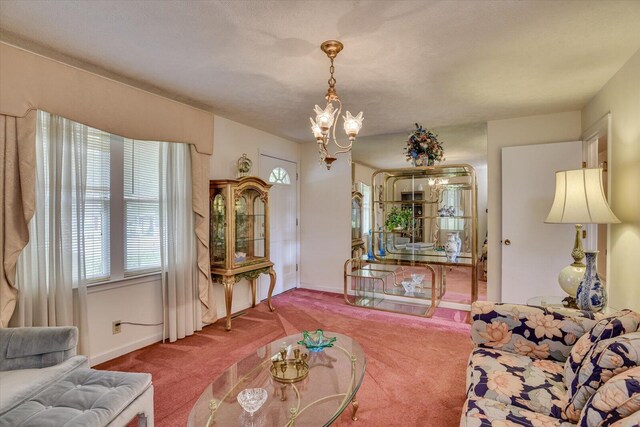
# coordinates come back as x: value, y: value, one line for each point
x: 442, y: 201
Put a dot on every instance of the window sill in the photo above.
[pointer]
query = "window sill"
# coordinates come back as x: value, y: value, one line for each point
x: 126, y: 281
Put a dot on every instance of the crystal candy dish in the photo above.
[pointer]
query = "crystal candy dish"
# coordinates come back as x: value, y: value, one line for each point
x: 409, y: 286
x: 252, y: 399
x: 316, y: 341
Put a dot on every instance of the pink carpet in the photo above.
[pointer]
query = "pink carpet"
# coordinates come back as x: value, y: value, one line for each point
x: 415, y: 374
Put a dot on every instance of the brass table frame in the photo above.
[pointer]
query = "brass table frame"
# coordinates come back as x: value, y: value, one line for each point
x: 437, y: 288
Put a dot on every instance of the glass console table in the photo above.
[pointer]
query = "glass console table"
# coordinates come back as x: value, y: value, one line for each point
x: 334, y: 377
x: 391, y: 286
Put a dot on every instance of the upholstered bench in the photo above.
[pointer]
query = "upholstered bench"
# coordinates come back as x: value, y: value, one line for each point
x: 42, y: 383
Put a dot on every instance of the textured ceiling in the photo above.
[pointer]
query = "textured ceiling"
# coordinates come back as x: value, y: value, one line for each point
x: 258, y: 62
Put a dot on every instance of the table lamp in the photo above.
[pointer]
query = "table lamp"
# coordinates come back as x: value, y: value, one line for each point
x: 579, y: 200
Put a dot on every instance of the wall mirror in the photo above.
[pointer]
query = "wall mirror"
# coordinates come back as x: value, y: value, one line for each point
x: 464, y: 144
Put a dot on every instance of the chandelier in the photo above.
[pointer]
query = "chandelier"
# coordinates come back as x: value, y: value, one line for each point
x: 324, y: 127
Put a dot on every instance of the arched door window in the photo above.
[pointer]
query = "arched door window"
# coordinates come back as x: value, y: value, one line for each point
x: 279, y: 176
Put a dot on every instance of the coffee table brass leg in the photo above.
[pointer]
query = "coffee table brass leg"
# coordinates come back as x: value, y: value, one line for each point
x: 354, y: 409
x: 283, y: 392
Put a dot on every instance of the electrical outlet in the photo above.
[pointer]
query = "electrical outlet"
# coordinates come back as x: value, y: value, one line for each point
x: 117, y: 327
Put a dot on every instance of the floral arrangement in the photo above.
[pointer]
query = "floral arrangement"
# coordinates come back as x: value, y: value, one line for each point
x: 423, y: 147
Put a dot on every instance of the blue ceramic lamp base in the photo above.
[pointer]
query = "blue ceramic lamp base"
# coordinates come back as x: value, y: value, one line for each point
x: 592, y: 294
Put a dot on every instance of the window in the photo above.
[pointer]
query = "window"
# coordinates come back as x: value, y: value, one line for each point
x: 365, y: 190
x: 141, y: 206
x: 122, y: 208
x: 279, y: 176
x: 97, y: 196
x: 97, y: 221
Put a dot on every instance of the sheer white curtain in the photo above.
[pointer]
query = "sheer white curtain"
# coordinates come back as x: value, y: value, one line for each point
x: 50, y: 275
x: 178, y: 251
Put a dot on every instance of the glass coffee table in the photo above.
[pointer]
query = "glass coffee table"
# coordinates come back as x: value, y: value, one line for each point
x: 333, y: 378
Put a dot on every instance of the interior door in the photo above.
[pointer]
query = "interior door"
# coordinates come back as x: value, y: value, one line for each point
x: 283, y: 231
x: 533, y: 253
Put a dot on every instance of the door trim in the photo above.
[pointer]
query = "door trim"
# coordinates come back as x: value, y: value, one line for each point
x: 272, y: 155
x: 597, y: 130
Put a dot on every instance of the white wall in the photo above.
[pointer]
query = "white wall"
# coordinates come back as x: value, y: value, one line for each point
x: 507, y: 133
x: 136, y: 300
x: 231, y: 140
x: 325, y: 221
x: 621, y: 97
x: 362, y: 173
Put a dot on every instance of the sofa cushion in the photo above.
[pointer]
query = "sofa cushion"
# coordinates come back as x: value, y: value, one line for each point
x: 607, y: 359
x: 22, y: 384
x: 517, y: 380
x: 84, y: 397
x: 618, y: 401
x: 614, y: 325
x: 538, y: 332
x: 37, y: 347
x: 478, y: 412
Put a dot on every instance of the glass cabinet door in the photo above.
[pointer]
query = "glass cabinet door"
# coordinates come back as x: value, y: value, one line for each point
x: 250, y: 227
x: 217, y: 241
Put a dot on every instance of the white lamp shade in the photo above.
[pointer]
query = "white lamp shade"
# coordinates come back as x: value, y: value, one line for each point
x: 580, y: 199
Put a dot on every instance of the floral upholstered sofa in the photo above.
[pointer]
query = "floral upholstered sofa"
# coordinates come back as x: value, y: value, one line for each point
x: 535, y: 366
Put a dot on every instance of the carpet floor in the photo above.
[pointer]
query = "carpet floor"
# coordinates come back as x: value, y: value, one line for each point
x: 415, y: 373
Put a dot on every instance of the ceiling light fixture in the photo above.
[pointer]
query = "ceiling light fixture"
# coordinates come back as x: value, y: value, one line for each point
x: 324, y: 127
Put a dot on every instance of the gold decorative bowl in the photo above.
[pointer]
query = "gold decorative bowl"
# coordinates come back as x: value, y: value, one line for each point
x: 289, y: 371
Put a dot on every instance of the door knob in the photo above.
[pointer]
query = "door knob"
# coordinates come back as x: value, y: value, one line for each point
x: 507, y: 242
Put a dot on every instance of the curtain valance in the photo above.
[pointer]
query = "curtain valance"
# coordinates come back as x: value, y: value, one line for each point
x: 29, y: 81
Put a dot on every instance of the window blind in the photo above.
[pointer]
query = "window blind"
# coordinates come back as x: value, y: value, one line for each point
x: 142, y: 207
x: 97, y: 206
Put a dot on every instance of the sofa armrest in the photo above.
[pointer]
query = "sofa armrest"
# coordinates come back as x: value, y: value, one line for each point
x: 28, y: 348
x: 537, y: 332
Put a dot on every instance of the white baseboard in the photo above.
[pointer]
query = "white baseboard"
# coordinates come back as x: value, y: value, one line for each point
x: 321, y: 288
x: 455, y: 305
x: 119, y: 351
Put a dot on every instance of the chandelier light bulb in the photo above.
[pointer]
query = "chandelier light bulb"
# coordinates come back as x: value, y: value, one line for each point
x: 324, y: 118
x: 352, y: 125
x: 431, y: 181
x: 317, y: 132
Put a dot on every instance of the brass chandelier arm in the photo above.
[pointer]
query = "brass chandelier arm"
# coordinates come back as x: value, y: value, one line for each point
x: 342, y: 148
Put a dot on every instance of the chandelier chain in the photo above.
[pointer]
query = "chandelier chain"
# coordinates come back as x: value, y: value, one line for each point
x: 332, y: 80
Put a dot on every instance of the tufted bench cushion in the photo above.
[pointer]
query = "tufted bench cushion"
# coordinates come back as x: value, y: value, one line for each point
x: 84, y: 397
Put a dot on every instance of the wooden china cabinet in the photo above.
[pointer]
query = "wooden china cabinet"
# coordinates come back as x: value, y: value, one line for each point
x: 239, y: 235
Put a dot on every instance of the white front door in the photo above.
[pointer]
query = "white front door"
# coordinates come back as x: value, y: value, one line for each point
x: 282, y: 175
x: 533, y: 253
